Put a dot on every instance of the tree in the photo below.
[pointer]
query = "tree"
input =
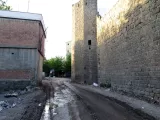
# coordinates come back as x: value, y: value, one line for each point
x: 4, y: 6
x: 59, y: 64
x: 67, y: 64
x: 56, y: 63
x: 46, y: 67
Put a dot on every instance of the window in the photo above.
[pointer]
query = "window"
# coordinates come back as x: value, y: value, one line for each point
x: 89, y: 42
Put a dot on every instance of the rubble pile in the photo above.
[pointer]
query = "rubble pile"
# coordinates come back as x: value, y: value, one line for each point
x: 10, y: 103
x: 7, y: 105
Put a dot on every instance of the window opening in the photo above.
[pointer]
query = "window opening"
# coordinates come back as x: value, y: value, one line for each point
x: 89, y: 42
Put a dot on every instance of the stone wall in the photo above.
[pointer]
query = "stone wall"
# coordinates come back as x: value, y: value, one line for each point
x: 78, y: 42
x: 84, y: 56
x: 72, y: 45
x: 129, y: 48
x: 90, y: 34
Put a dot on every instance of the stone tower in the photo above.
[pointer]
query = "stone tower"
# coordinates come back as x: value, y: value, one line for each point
x: 84, y: 42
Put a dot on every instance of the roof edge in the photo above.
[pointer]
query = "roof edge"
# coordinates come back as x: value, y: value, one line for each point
x: 24, y: 16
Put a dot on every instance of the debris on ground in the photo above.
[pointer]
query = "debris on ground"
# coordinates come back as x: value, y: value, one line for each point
x: 95, y: 84
x: 29, y: 88
x: 40, y: 104
x: 22, y: 92
x: 12, y: 98
x: 1, y: 102
x: 11, y: 95
x: 27, y: 106
x: 16, y: 93
x: 6, y: 105
x: 108, y: 89
x: 1, y: 108
x: 14, y: 104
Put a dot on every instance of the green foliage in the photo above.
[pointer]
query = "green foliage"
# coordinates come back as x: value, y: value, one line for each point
x: 67, y: 63
x: 46, y: 67
x: 4, y: 6
x: 59, y: 64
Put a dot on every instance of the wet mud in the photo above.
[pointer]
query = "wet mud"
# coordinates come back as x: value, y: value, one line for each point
x: 65, y: 105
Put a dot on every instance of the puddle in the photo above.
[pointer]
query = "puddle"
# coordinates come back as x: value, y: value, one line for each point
x: 62, y: 97
x: 46, y: 112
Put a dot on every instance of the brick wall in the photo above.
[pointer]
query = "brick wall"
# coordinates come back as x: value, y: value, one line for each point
x: 129, y: 48
x: 16, y: 74
x: 16, y: 63
x: 21, y: 33
x: 15, y: 32
x: 41, y: 41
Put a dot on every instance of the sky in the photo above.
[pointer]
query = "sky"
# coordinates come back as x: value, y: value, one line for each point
x: 57, y: 15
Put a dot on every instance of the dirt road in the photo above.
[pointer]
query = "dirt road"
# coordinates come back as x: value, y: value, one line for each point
x: 80, y: 104
x: 64, y: 105
x: 28, y: 106
x: 108, y: 109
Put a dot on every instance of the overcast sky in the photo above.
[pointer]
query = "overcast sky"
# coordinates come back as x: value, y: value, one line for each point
x: 57, y: 16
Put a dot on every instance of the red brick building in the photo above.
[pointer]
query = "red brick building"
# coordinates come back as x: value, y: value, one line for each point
x: 22, y: 38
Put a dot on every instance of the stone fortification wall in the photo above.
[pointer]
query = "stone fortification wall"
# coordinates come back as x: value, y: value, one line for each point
x: 128, y: 41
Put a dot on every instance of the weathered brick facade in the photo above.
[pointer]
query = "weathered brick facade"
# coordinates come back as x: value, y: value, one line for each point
x: 21, y: 48
x: 21, y: 33
x: 128, y: 49
x: 18, y: 63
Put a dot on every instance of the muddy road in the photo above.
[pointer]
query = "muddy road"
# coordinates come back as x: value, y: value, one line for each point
x: 65, y: 104
x: 26, y: 106
x: 108, y: 109
x: 79, y: 104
